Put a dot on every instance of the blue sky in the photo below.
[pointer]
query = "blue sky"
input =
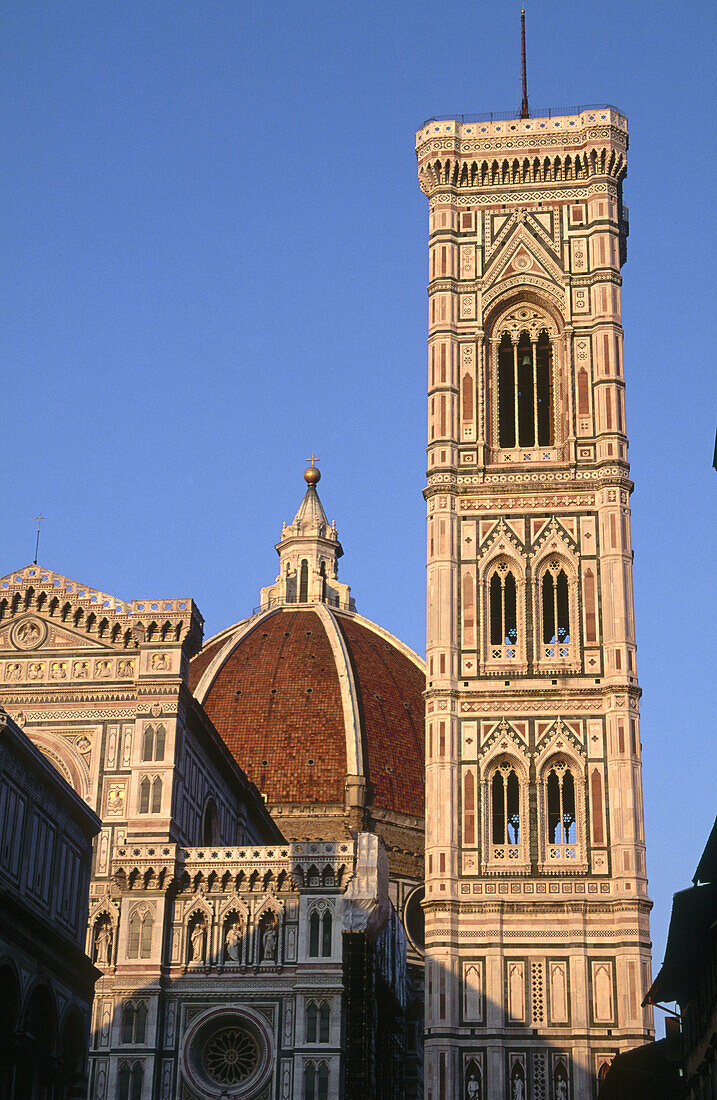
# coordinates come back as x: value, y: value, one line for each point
x: 214, y: 262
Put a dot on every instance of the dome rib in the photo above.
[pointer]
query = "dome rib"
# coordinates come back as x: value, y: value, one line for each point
x: 349, y: 696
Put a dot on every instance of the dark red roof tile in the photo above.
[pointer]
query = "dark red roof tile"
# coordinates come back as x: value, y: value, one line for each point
x: 276, y: 701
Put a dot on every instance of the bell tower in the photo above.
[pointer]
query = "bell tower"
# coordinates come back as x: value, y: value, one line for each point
x: 537, y: 934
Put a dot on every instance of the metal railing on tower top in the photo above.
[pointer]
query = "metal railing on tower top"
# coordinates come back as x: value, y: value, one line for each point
x: 511, y: 116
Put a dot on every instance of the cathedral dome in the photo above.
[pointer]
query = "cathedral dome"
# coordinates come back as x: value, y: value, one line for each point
x: 319, y: 706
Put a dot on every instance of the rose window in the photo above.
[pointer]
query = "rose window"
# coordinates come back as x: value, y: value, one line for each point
x: 228, y: 1051
x: 231, y: 1055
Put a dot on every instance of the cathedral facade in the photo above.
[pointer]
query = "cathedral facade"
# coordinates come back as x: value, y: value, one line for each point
x: 246, y: 921
x: 537, y: 936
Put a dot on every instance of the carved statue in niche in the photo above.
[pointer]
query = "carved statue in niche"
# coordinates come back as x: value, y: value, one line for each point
x: 13, y: 671
x: 472, y: 1086
x: 232, y: 942
x: 159, y: 662
x: 81, y: 670
x: 196, y: 941
x: 269, y: 940
x: 103, y: 943
x: 35, y: 671
x: 561, y: 1088
x: 517, y: 1083
x: 124, y: 667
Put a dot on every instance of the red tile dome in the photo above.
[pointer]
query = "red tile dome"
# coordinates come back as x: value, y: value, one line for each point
x: 308, y: 698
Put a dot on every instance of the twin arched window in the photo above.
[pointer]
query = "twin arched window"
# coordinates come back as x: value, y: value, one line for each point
x: 558, y: 813
x: 150, y: 795
x: 139, y: 943
x: 153, y: 743
x: 525, y: 390
x: 320, y: 935
x: 554, y: 613
x: 316, y: 1081
x: 129, y: 1081
x: 134, y: 1022
x: 318, y: 1021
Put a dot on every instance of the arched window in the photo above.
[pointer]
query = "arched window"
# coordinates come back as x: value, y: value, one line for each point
x: 503, y: 613
x: 148, y: 743
x: 140, y: 1023
x: 128, y: 1023
x: 311, y: 1017
x: 159, y: 743
x: 525, y: 390
x: 304, y: 581
x: 556, y: 610
x: 144, y: 789
x: 145, y: 943
x: 562, y: 825
x: 314, y: 926
x: 326, y: 934
x: 156, y: 795
x: 129, y: 1081
x: 210, y: 823
x: 322, y: 575
x: 505, y: 807
x: 324, y: 1023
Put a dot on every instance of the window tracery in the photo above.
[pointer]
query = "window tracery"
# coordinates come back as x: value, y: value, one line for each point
x: 506, y: 815
x: 524, y: 382
x: 556, y: 613
x: 141, y: 927
x: 561, y: 814
x: 320, y: 933
x: 503, y: 614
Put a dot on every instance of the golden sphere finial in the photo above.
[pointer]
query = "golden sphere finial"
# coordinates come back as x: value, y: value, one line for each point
x: 312, y: 475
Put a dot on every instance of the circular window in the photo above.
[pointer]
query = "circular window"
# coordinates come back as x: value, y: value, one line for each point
x: 231, y: 1055
x: 229, y: 1048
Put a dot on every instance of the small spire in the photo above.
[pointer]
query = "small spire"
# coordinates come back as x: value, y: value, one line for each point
x: 309, y: 551
x: 524, y: 112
